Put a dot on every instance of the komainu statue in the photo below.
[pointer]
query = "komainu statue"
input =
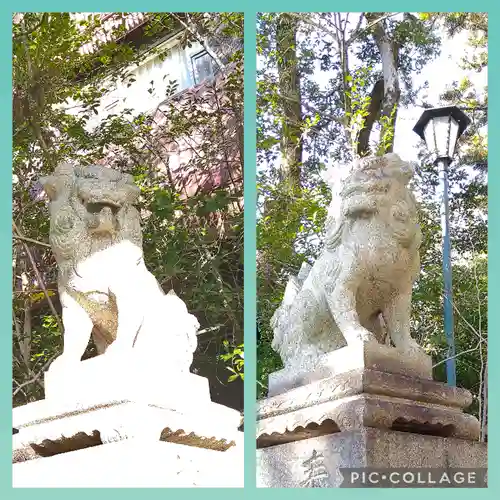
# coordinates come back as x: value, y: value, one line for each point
x: 359, y: 289
x: 104, y: 286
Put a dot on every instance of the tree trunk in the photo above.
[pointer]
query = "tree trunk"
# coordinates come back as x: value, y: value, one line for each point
x: 290, y: 188
x: 289, y: 91
x: 392, y: 92
x: 376, y: 98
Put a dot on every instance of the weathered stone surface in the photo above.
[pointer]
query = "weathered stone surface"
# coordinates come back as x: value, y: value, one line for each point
x: 104, y: 285
x: 315, y: 462
x: 350, y: 404
x: 107, y: 419
x: 364, y: 381
x: 358, y: 356
x: 359, y: 289
x: 356, y: 412
x: 365, y: 397
x: 346, y: 397
x: 103, y: 400
x: 134, y: 464
x: 50, y: 429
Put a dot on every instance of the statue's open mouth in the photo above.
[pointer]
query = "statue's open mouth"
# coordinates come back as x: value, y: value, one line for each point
x: 95, y: 207
x: 102, y: 215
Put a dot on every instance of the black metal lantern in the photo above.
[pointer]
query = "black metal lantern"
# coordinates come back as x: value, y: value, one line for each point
x: 441, y: 128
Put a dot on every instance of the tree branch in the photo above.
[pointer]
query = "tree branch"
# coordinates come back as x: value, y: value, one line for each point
x: 25, y: 33
x: 30, y: 240
x: 461, y: 353
x: 376, y: 98
x: 308, y: 19
x: 201, y: 40
x: 39, y: 278
x: 359, y: 31
x: 36, y: 377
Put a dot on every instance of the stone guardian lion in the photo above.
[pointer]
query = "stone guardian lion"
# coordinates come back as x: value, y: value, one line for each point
x: 360, y: 287
x: 104, y: 286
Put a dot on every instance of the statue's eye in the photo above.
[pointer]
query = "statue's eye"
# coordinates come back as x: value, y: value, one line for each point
x: 360, y: 212
x: 364, y: 214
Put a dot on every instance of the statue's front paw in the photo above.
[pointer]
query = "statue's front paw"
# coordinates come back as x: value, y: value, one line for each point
x: 360, y: 335
x: 115, y: 349
x: 411, y: 348
x: 61, y: 363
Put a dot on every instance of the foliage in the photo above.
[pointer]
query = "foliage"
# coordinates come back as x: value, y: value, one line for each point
x: 236, y: 356
x: 192, y: 225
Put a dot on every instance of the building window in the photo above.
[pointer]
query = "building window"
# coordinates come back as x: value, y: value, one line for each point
x: 204, y: 67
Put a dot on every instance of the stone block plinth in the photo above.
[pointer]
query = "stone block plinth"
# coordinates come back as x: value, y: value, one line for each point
x: 362, y: 406
x: 363, y: 356
x: 365, y: 398
x: 316, y: 462
x: 133, y: 464
x: 123, y: 377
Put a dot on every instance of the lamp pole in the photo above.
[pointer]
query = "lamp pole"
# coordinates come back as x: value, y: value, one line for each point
x: 451, y: 377
x: 441, y: 128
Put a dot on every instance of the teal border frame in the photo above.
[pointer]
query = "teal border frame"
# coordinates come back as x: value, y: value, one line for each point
x: 250, y: 7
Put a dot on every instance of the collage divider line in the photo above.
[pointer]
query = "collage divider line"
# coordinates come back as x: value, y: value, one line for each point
x: 250, y: 188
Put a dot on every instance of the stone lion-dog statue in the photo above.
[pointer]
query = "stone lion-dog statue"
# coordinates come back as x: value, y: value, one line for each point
x: 104, y: 286
x: 359, y: 289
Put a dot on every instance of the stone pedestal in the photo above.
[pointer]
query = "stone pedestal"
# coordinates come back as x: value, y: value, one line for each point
x: 316, y: 462
x: 363, y: 406
x: 111, y: 423
x: 133, y: 464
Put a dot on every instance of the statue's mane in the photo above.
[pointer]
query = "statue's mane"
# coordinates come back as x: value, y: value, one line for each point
x: 370, y: 180
x: 70, y: 237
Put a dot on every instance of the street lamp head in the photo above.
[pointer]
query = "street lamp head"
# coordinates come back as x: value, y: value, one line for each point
x: 440, y: 128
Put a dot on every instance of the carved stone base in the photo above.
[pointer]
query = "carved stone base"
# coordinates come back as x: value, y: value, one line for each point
x: 102, y: 404
x: 367, y: 356
x: 362, y: 406
x: 133, y: 464
x: 315, y: 462
x: 52, y: 430
x: 365, y: 398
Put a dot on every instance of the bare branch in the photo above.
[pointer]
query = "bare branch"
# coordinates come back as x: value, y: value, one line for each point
x: 484, y: 414
x: 358, y: 27
x: 358, y: 31
x: 30, y: 240
x: 39, y: 278
x: 461, y: 353
x: 36, y: 377
x: 465, y: 321
x: 191, y: 28
x: 309, y: 20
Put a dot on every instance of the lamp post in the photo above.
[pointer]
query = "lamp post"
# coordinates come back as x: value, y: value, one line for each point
x: 440, y: 128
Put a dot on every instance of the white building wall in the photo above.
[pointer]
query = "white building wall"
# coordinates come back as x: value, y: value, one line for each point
x: 152, y: 78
